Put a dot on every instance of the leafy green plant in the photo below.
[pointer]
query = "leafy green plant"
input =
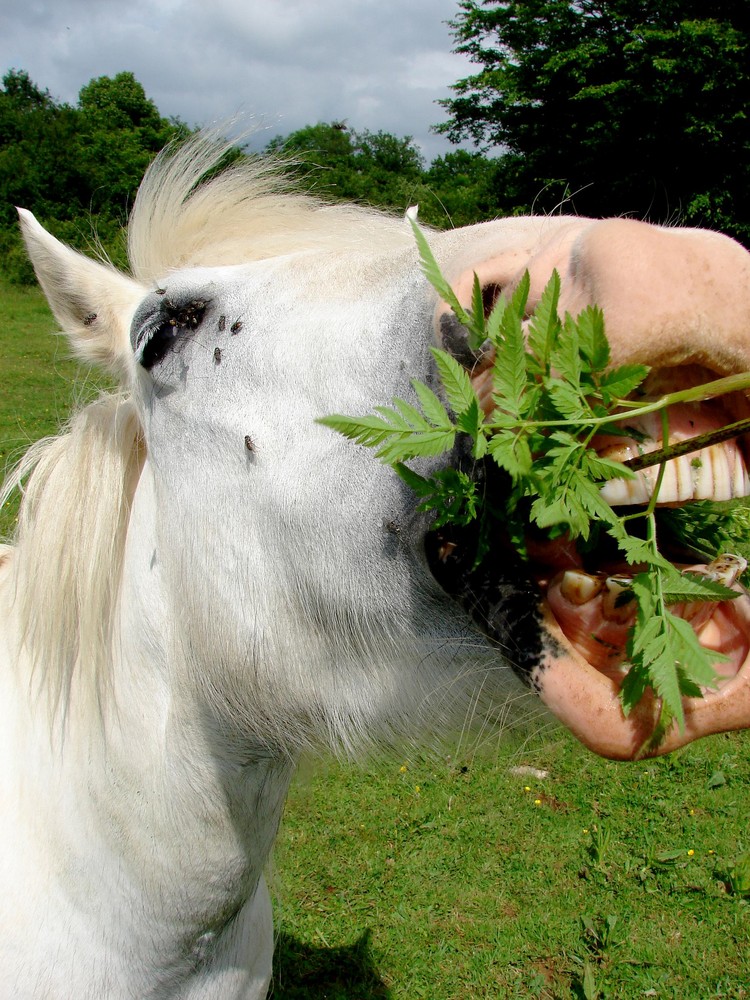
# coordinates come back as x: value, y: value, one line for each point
x: 555, y: 390
x: 599, y: 847
x: 739, y: 877
x: 599, y: 935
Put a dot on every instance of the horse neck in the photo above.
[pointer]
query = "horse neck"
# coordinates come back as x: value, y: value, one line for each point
x: 217, y: 797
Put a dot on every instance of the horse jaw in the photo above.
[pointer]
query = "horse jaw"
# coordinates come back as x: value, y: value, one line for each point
x: 93, y: 303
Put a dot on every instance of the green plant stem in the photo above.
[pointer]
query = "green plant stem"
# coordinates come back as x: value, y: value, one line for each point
x: 688, y: 445
x: 710, y: 390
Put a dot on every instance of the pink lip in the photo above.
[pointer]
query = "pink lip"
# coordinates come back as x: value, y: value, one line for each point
x: 587, y: 701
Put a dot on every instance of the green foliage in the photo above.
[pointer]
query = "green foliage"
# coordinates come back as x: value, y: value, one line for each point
x: 119, y: 131
x: 77, y: 168
x: 553, y: 392
x: 375, y: 168
x: 634, y: 106
x: 461, y: 188
x: 739, y: 876
x: 379, y: 169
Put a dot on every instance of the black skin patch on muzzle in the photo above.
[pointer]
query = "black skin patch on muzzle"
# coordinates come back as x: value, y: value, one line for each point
x: 499, y: 594
x: 454, y: 338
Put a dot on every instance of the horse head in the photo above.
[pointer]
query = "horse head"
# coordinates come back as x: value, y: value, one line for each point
x: 309, y: 599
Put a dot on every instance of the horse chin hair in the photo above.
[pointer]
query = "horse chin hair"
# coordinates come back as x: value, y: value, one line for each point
x: 355, y: 703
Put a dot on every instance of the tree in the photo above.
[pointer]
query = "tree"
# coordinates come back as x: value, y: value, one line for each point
x: 375, y: 168
x: 120, y: 131
x: 76, y: 168
x: 380, y: 169
x: 619, y: 106
x: 462, y: 188
x: 21, y: 92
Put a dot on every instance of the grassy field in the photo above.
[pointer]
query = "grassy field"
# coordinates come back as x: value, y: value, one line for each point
x: 466, y: 879
x: 457, y: 876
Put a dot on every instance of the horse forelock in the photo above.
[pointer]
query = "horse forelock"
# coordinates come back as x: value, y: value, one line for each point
x: 191, y: 213
x: 66, y: 563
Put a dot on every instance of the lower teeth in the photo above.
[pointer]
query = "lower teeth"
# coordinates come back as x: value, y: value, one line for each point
x: 578, y: 587
x: 617, y: 600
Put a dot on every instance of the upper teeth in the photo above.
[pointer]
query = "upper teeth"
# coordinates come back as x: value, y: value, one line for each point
x: 715, y: 473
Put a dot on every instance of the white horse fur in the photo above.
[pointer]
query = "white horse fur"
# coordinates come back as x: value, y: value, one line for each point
x: 206, y: 582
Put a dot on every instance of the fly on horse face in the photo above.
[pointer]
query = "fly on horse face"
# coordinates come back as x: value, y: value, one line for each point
x: 207, y: 582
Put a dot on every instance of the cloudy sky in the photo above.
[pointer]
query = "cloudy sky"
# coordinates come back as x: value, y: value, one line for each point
x: 376, y: 64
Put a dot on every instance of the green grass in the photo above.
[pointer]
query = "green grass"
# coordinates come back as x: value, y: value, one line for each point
x: 454, y: 879
x: 448, y: 880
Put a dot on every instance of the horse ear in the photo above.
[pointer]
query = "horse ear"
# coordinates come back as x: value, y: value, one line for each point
x: 92, y: 302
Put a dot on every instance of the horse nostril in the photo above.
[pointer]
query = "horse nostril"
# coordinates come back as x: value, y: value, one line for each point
x: 491, y: 292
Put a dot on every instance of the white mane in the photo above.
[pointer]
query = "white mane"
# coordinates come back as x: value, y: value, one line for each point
x: 70, y: 541
x: 78, y: 488
x: 247, y: 212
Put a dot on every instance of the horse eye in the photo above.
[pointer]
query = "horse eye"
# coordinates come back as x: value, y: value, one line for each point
x: 158, y: 343
x: 165, y: 325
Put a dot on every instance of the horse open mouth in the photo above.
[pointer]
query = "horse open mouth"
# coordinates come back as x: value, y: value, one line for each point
x: 562, y: 616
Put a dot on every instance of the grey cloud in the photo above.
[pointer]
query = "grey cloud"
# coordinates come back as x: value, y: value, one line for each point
x: 379, y: 64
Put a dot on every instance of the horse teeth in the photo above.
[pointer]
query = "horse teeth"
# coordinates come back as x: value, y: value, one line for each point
x: 624, y: 492
x: 725, y: 569
x: 721, y: 485
x: 578, y: 587
x: 740, y: 478
x: 702, y: 466
x: 715, y: 473
x: 617, y: 599
x: 446, y: 550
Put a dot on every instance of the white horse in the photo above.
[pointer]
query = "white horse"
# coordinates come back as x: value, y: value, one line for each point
x: 206, y: 582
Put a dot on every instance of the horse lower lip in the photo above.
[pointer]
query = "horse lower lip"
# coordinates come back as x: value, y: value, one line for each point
x: 586, y: 700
